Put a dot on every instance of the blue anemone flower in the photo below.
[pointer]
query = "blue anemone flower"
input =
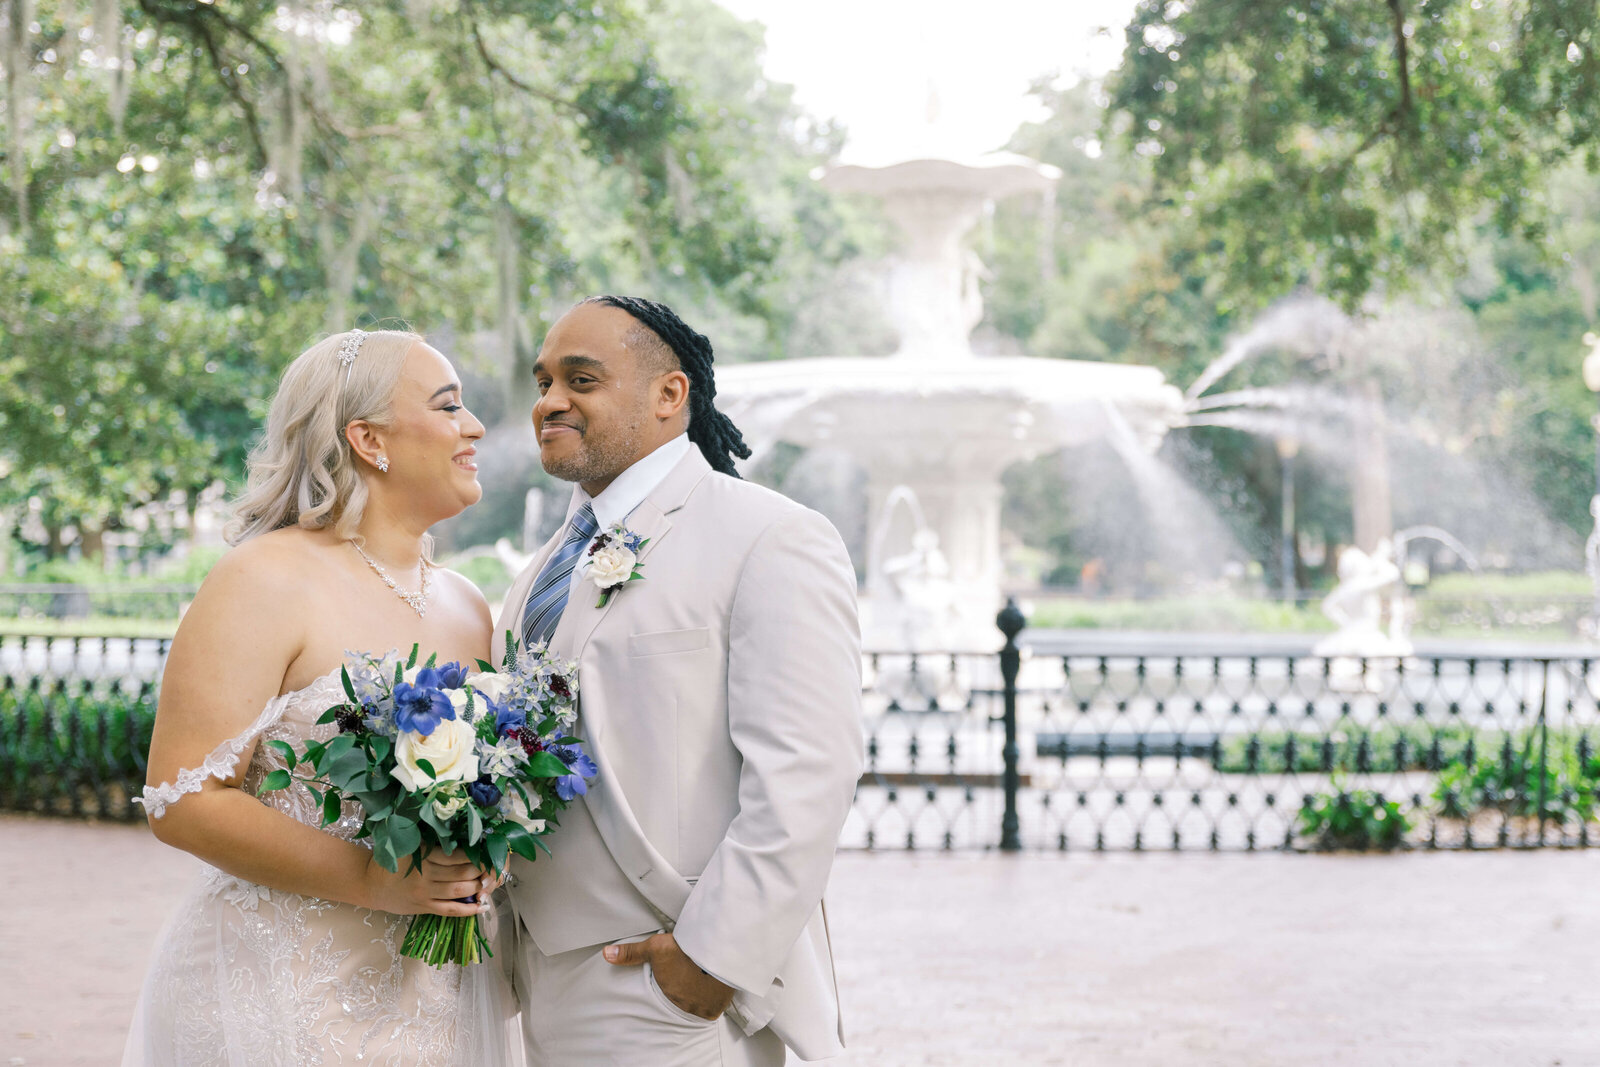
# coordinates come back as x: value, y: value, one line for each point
x: 419, y: 708
x: 484, y: 793
x: 577, y: 761
x: 506, y: 718
x: 451, y: 676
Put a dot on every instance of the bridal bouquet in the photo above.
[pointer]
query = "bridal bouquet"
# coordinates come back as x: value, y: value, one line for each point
x: 442, y: 758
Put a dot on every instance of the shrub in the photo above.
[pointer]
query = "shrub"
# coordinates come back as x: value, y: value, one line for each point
x: 1359, y: 819
x: 1351, y: 750
x: 1511, y: 777
x: 74, y: 749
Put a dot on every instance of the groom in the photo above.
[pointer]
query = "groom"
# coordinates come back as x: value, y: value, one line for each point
x: 679, y: 919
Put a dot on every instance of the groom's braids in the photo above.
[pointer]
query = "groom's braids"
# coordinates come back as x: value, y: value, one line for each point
x: 719, y: 439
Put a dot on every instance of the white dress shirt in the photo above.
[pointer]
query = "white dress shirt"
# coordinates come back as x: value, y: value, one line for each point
x: 626, y: 492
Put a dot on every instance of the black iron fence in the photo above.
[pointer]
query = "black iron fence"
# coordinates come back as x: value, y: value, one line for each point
x: 1116, y: 749
x: 1084, y: 749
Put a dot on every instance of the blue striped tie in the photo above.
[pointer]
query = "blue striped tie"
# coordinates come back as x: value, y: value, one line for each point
x: 550, y: 589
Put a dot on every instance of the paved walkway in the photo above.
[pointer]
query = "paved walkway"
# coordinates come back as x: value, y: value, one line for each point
x: 1232, y: 961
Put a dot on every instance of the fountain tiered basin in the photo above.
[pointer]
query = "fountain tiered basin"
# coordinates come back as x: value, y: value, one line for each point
x: 935, y: 425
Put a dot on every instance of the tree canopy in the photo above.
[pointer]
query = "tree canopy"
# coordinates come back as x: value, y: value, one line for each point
x: 1348, y: 146
x: 193, y: 192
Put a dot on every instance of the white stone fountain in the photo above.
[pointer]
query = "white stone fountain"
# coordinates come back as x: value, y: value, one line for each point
x: 936, y: 423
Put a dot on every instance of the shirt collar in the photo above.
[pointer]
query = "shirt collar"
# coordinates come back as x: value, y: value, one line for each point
x: 630, y: 488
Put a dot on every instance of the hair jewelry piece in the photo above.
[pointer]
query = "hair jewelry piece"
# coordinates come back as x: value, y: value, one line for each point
x: 349, y: 348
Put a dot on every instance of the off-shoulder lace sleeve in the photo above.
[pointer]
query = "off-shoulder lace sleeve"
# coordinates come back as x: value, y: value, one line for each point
x: 220, y: 764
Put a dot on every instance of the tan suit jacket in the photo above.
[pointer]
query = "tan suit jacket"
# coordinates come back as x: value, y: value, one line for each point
x: 720, y: 697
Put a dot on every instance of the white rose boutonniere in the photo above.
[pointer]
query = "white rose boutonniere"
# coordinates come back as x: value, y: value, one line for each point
x: 614, y: 561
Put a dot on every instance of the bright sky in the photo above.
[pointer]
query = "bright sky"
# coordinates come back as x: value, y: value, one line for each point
x: 876, y: 65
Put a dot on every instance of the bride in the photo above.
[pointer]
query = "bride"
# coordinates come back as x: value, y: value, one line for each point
x: 287, y: 950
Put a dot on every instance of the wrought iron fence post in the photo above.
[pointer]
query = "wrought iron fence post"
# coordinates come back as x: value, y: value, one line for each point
x: 1011, y: 621
x: 1544, y: 749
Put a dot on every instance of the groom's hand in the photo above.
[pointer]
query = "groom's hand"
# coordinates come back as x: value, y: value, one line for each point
x: 680, y: 978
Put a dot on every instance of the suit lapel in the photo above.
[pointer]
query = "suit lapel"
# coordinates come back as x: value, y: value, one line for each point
x: 583, y: 611
x: 583, y: 614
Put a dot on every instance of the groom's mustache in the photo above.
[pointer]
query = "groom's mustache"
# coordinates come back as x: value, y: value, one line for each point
x: 547, y: 423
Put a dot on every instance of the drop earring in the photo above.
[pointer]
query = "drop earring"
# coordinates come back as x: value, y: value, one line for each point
x: 383, y: 464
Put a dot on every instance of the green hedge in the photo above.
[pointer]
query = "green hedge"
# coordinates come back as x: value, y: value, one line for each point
x: 74, y: 748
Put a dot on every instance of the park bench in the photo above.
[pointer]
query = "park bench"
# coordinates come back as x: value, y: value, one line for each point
x: 1190, y: 745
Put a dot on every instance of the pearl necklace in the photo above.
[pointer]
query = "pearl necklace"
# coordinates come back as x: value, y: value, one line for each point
x: 417, y: 601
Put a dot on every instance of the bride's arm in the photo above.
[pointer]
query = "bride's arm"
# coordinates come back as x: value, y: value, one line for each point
x: 227, y: 661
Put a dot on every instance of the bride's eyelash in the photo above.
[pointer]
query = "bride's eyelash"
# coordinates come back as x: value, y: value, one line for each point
x: 451, y: 407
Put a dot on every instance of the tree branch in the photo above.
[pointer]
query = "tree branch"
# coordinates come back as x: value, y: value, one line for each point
x: 230, y: 81
x: 495, y: 67
x: 197, y: 18
x: 1402, y: 55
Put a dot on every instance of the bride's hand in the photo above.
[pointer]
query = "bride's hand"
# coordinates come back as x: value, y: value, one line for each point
x: 446, y: 885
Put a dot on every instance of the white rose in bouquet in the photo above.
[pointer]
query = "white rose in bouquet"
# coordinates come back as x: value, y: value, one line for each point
x: 512, y: 808
x: 491, y: 686
x: 446, y: 810
x: 611, y: 565
x: 451, y: 750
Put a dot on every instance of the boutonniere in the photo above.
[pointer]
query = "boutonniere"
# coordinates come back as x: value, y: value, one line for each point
x: 614, y: 561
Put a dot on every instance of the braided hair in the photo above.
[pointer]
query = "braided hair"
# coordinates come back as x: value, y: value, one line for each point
x: 719, y: 439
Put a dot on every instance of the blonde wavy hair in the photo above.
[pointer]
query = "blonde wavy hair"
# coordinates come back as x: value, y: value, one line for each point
x: 303, y: 472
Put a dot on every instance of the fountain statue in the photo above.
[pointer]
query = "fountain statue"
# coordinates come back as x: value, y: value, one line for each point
x: 936, y: 422
x: 1357, y: 605
x: 918, y: 601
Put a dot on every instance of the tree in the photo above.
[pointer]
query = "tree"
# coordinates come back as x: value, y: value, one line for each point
x: 1347, y: 146
x: 240, y: 178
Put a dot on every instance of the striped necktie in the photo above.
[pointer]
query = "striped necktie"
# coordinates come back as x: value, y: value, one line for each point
x: 550, y: 589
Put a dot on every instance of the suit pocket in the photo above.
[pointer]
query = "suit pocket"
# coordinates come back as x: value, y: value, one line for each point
x: 661, y: 642
x: 666, y: 1004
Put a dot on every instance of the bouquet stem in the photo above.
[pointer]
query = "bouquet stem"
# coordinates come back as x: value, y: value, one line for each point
x: 441, y: 939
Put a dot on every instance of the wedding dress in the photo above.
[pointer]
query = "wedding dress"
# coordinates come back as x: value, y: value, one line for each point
x: 249, y: 976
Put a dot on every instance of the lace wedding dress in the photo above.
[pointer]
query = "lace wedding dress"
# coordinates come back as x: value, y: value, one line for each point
x: 249, y: 976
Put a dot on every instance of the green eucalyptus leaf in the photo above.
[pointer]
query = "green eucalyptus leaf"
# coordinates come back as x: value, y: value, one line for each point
x: 522, y: 843
x: 403, y: 834
x: 498, y: 849
x: 278, y: 779
x: 286, y: 750
x: 545, y: 765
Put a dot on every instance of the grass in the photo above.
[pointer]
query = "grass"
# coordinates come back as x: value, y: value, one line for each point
x: 1439, y: 610
x: 1212, y: 614
x: 487, y: 573
x: 92, y: 626
x: 1468, y: 586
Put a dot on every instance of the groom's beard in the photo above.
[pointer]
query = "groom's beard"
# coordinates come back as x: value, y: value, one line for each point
x: 593, y: 461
